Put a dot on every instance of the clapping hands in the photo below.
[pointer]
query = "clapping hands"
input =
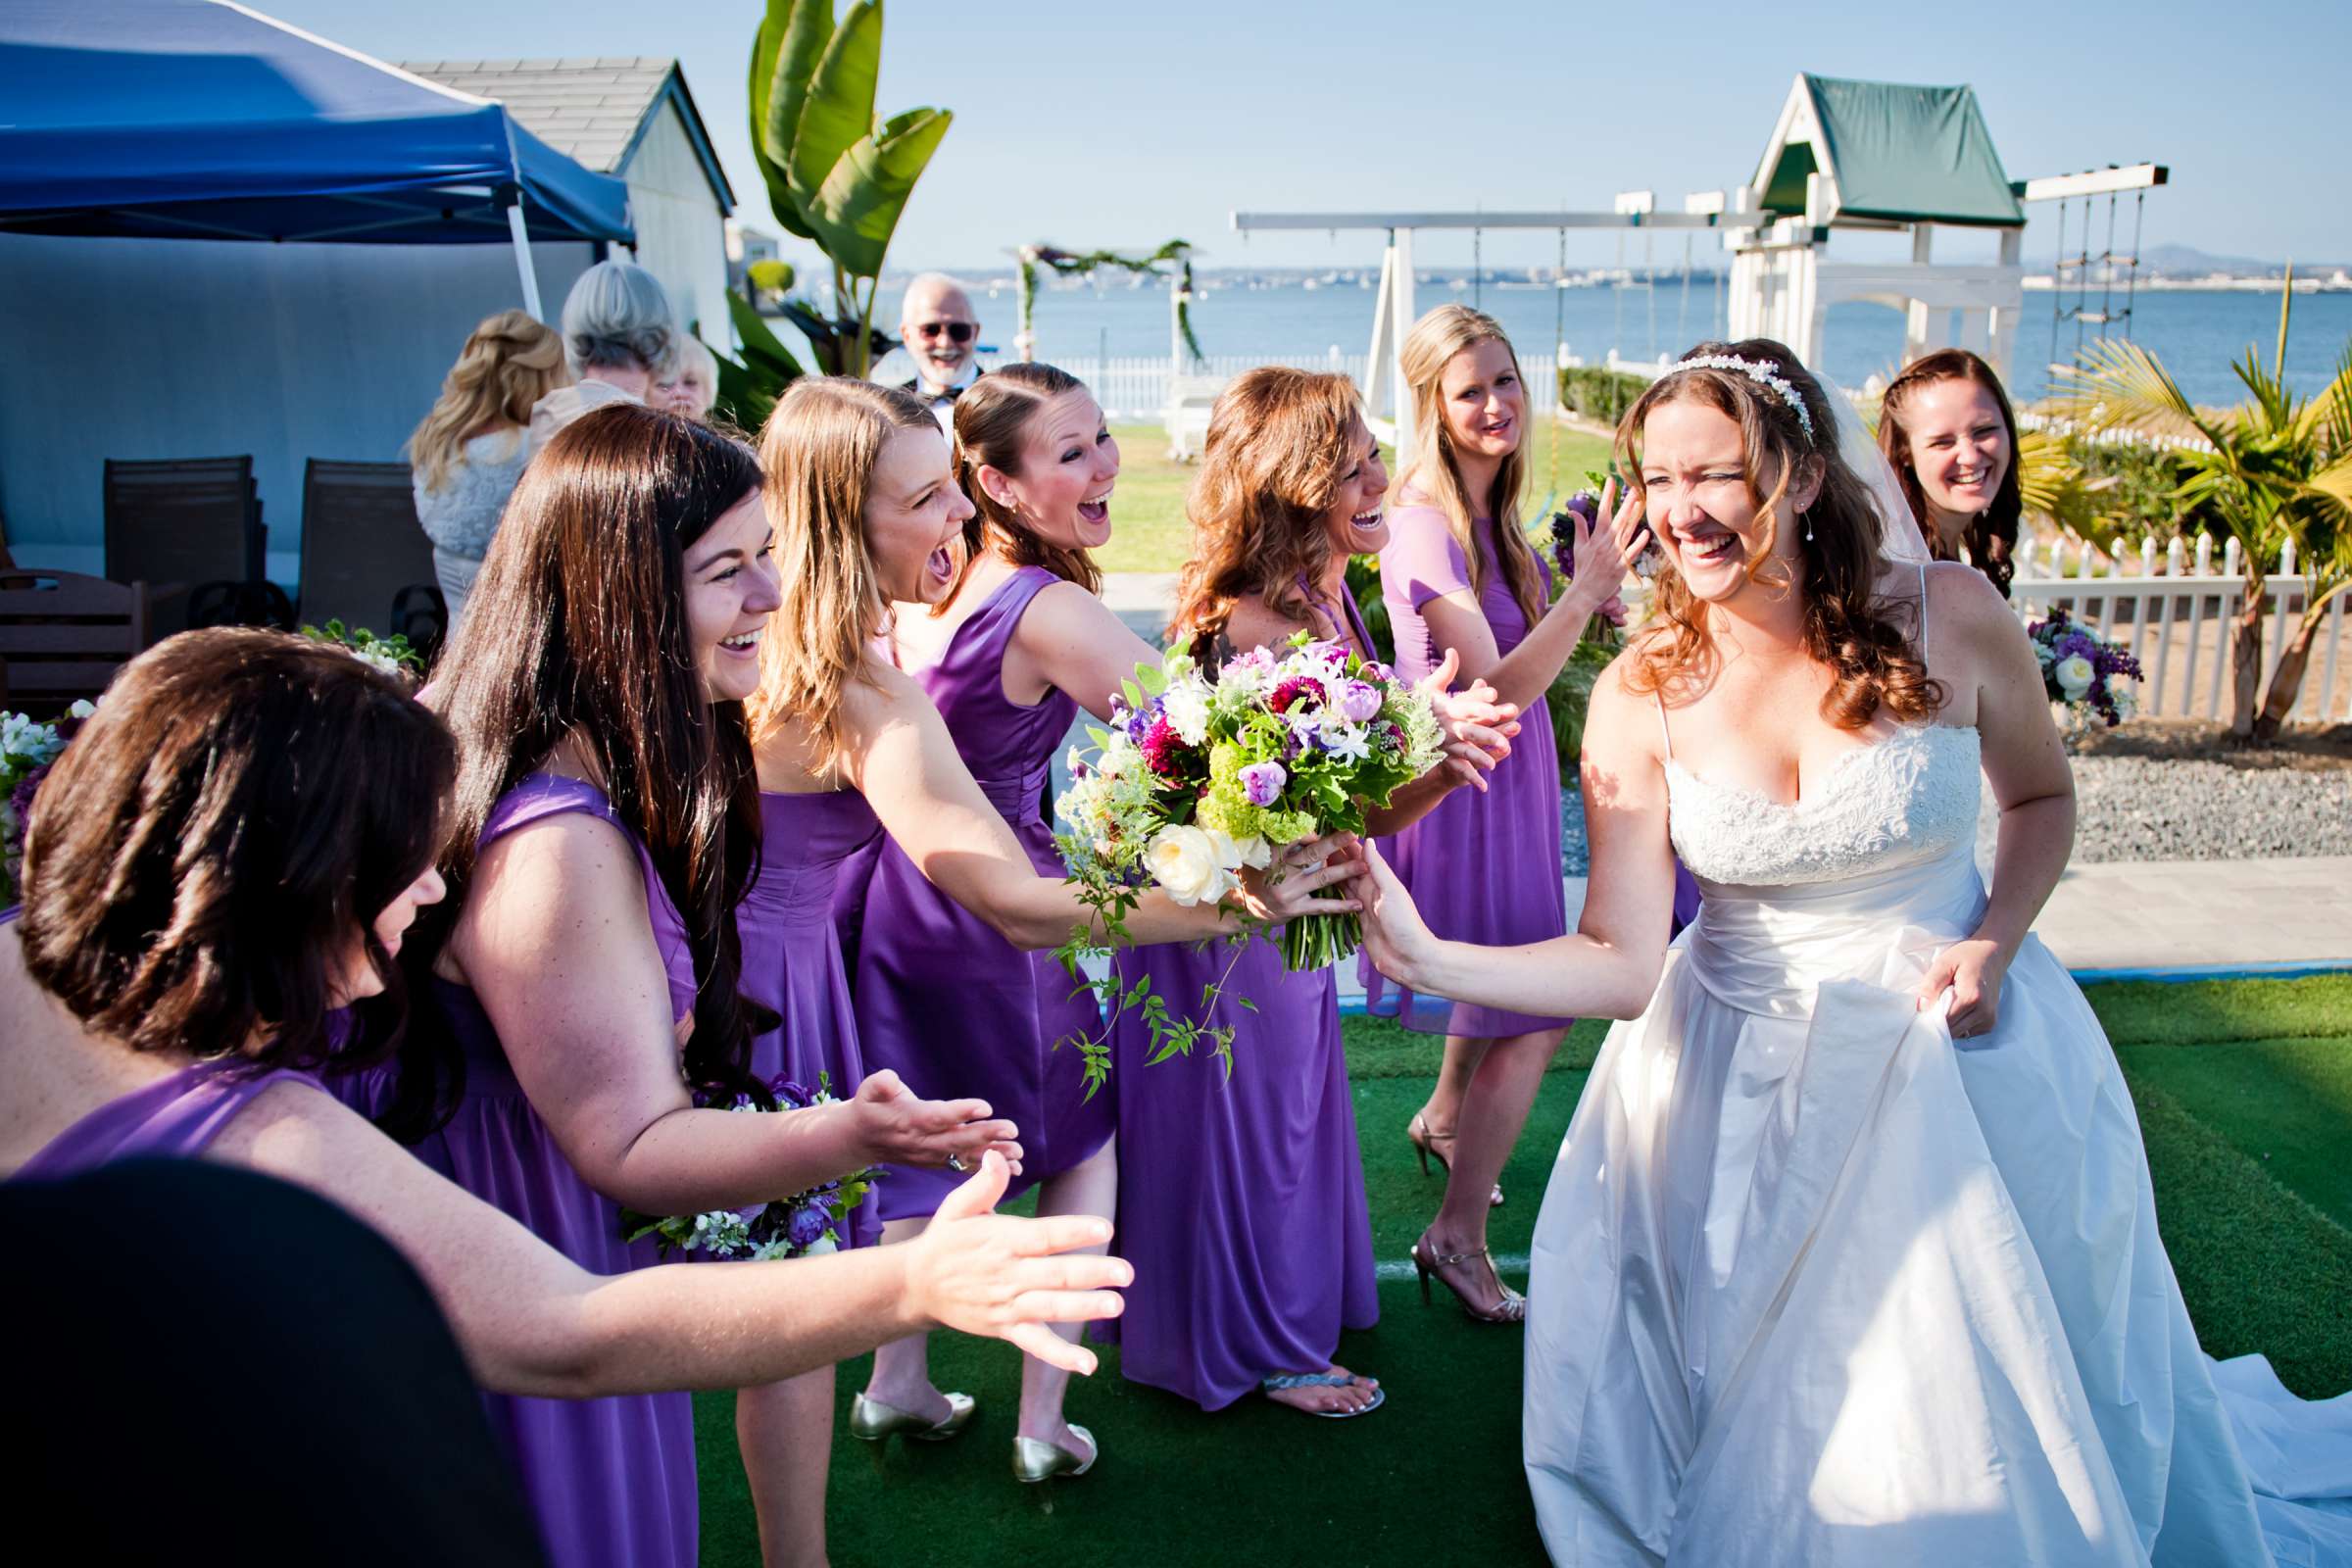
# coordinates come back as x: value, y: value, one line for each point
x: 1477, y: 728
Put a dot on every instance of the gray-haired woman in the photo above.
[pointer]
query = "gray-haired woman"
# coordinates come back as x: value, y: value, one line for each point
x: 620, y: 336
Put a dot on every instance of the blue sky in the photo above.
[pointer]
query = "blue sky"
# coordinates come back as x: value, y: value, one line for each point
x: 1121, y: 125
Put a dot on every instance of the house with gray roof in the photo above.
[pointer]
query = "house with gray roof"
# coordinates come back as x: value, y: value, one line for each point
x: 632, y: 117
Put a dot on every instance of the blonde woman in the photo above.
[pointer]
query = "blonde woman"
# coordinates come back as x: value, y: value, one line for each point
x: 1459, y: 579
x: 1242, y: 1196
x: 867, y: 511
x: 470, y: 450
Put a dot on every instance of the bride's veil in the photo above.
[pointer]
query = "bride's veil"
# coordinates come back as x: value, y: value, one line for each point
x: 1900, y: 543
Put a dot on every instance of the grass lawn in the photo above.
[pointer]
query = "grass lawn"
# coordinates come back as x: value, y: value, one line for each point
x: 1148, y: 532
x: 2244, y: 1091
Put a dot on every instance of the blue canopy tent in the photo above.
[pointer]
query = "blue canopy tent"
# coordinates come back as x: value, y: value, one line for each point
x: 198, y: 120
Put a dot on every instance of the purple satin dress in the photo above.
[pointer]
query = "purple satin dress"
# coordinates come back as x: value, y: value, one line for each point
x: 612, y: 1481
x: 791, y: 959
x: 1482, y: 868
x: 1241, y: 1200
x: 942, y: 997
x: 175, y: 1117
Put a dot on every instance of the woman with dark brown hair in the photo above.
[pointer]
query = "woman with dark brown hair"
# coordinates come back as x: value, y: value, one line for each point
x: 1947, y: 428
x: 1242, y: 1191
x: 231, y: 850
x: 1810, y: 1283
x: 586, y: 968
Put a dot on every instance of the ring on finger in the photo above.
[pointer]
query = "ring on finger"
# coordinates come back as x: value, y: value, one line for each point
x: 955, y: 1163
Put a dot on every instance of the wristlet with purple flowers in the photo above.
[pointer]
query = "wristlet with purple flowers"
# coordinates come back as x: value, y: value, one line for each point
x: 800, y: 1226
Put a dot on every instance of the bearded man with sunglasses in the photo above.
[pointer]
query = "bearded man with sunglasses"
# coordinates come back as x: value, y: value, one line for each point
x: 941, y: 336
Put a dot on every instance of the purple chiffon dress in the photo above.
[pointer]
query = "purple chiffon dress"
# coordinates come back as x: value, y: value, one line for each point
x: 791, y: 959
x: 1240, y: 1199
x: 1482, y: 868
x: 612, y: 1481
x: 942, y: 997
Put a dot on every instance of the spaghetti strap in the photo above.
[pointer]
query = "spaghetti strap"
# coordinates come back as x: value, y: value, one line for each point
x: 1923, y: 610
x: 1664, y: 734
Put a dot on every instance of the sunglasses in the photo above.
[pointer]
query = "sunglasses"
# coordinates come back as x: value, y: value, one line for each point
x: 957, y: 331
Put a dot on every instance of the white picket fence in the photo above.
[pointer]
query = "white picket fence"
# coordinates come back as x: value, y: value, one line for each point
x: 2171, y: 611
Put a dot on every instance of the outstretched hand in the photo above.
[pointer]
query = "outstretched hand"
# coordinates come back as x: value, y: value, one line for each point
x: 1394, y: 935
x: 897, y: 1127
x: 981, y: 1272
x: 1605, y: 555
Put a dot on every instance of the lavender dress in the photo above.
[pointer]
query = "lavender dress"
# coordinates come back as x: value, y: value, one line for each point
x: 1483, y: 868
x: 612, y: 1481
x: 791, y: 955
x: 941, y: 997
x: 1242, y: 1200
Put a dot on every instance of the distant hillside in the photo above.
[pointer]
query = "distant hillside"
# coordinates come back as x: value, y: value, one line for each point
x: 2186, y: 261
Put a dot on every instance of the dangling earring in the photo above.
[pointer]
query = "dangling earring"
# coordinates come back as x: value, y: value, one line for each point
x: 1809, y: 527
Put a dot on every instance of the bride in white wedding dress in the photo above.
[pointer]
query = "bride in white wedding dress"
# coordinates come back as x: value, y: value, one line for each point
x: 1849, y: 1256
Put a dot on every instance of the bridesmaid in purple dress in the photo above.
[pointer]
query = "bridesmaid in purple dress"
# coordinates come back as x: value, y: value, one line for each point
x: 231, y: 852
x: 868, y: 514
x: 1020, y: 644
x: 1458, y: 577
x: 606, y: 807
x: 1242, y: 1200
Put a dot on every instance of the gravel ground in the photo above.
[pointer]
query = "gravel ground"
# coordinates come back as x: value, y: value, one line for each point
x: 2170, y: 808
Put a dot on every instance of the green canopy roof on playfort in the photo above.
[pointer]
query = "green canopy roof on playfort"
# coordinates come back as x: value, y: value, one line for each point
x: 1894, y: 152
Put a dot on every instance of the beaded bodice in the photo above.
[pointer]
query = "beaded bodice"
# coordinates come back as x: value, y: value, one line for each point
x: 1907, y: 798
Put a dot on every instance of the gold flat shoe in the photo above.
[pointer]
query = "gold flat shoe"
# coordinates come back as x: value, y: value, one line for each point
x: 871, y: 1421
x: 1034, y: 1460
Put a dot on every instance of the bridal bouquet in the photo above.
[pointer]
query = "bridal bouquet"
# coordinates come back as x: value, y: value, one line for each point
x: 27, y: 749
x: 2084, y: 672
x: 1196, y: 779
x: 800, y: 1226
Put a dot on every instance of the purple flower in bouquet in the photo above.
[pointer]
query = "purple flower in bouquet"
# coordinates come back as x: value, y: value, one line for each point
x: 1571, y: 522
x: 807, y: 1226
x: 19, y: 798
x: 1263, y: 782
x: 790, y: 1096
x: 1359, y: 703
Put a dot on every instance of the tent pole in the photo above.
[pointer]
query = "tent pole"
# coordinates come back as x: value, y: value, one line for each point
x: 523, y: 257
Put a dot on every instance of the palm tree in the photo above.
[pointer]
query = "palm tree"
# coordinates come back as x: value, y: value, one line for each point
x: 2275, y: 470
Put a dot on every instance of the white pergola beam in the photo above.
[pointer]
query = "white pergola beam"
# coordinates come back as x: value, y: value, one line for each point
x: 2092, y: 183
x: 1246, y: 222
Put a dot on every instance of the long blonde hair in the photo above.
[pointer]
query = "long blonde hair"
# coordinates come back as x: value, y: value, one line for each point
x: 1276, y: 455
x: 818, y: 454
x: 1433, y: 342
x: 509, y: 364
x: 992, y: 426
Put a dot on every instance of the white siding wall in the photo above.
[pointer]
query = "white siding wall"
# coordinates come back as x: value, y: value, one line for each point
x: 129, y: 348
x: 681, y: 234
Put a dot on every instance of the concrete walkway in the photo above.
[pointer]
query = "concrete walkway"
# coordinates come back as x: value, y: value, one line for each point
x: 2141, y: 914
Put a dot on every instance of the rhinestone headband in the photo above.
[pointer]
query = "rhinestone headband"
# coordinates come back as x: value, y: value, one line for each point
x: 1764, y: 372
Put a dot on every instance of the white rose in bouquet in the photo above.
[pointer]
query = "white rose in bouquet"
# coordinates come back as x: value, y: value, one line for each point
x: 2074, y: 675
x: 1186, y: 860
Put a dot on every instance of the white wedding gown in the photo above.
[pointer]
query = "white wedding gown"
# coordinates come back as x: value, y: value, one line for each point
x: 1813, y: 1287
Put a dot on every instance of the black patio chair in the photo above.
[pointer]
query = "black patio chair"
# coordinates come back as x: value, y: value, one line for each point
x: 182, y: 525
x: 366, y: 561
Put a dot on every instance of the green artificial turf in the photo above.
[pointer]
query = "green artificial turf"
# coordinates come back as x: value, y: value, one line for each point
x: 2224, y: 1074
